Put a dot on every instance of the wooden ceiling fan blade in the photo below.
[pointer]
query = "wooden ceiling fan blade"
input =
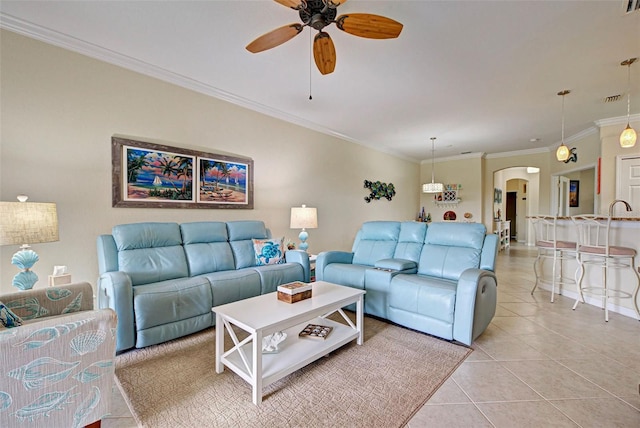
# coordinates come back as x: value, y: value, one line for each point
x: 324, y: 52
x: 274, y: 38
x: 293, y: 4
x: 369, y: 26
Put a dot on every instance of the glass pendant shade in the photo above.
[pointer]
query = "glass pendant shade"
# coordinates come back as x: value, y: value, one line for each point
x: 562, y: 154
x: 432, y: 188
x: 628, y: 137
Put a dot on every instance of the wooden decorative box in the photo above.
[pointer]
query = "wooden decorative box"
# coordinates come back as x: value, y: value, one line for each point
x: 294, y: 292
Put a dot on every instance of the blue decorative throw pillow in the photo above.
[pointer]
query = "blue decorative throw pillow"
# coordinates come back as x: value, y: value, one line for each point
x: 268, y: 251
x: 8, y: 318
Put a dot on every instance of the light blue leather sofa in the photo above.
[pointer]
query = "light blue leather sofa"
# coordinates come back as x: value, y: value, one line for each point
x: 438, y: 278
x: 162, y: 279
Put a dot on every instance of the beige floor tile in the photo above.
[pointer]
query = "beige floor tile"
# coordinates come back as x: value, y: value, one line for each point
x: 513, y: 349
x: 503, y: 312
x: 449, y: 393
x: 490, y: 381
x: 599, y: 412
x: 556, y: 346
x: 521, y: 309
x: 607, y: 374
x: 524, y: 414
x: 450, y: 416
x: 518, y: 325
x: 553, y: 380
x: 478, y: 355
x: 119, y: 407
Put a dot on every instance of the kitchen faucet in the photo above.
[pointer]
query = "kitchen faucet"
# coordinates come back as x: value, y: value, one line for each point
x: 626, y: 204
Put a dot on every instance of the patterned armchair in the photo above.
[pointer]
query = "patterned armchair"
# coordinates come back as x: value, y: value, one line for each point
x: 57, y: 368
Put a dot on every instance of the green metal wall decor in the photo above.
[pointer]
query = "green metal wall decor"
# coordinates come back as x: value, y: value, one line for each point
x: 379, y: 190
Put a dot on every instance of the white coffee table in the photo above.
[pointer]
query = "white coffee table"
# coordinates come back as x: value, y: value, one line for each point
x: 263, y: 315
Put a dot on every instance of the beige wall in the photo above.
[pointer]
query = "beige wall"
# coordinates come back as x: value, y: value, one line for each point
x: 60, y: 109
x: 468, y: 173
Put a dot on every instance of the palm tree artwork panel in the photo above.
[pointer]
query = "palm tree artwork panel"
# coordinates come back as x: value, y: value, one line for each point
x: 158, y: 175
x: 221, y: 181
x: 149, y: 175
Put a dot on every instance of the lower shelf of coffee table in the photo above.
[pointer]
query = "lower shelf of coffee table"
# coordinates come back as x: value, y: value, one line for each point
x: 294, y: 352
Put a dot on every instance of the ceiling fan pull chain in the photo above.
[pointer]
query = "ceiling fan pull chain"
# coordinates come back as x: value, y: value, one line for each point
x: 310, y: 55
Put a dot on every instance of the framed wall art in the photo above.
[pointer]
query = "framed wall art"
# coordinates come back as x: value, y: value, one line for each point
x: 148, y: 175
x: 574, y: 193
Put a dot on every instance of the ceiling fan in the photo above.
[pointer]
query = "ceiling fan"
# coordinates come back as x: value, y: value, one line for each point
x: 318, y: 14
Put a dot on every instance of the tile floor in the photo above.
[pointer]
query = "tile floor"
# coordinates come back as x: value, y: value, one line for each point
x: 539, y: 364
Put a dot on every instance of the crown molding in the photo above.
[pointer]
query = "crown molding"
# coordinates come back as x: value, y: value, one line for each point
x: 517, y: 153
x: 621, y: 120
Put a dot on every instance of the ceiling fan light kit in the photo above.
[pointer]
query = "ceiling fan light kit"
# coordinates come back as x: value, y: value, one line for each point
x: 318, y: 14
x: 628, y: 137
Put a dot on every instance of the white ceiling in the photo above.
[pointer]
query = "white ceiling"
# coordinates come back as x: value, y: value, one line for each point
x: 481, y: 76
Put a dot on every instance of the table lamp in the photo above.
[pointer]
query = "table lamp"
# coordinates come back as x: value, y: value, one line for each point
x: 303, y: 218
x: 23, y: 223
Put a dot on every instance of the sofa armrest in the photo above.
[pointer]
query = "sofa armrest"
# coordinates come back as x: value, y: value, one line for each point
x: 475, y: 307
x: 50, y: 301
x: 115, y: 291
x: 58, y: 371
x: 327, y: 257
x: 301, y: 257
x: 400, y: 265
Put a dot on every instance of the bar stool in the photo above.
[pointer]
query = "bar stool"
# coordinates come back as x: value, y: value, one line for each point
x: 549, y: 247
x: 594, y: 249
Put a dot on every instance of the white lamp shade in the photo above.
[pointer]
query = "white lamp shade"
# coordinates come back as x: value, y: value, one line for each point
x: 432, y: 188
x: 28, y: 223
x: 304, y: 218
x: 562, y: 154
x: 628, y: 137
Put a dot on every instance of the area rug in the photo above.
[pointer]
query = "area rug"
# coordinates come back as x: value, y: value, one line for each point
x: 381, y: 383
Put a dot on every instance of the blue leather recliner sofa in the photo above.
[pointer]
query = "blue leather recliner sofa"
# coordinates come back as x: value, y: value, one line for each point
x: 162, y: 279
x: 438, y: 278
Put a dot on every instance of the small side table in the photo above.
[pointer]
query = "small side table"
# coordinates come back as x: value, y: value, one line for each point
x: 312, y: 267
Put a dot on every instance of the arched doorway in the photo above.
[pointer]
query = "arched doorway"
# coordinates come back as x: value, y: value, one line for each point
x: 516, y: 194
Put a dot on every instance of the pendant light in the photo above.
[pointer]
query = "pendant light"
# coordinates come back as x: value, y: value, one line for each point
x: 628, y: 137
x: 562, y: 154
x: 432, y: 187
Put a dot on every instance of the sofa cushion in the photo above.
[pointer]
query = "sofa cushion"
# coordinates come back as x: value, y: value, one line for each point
x: 233, y: 285
x: 241, y: 234
x: 211, y: 257
x: 350, y: 275
x: 432, y: 297
x: 410, y: 240
x: 171, y: 301
x: 376, y: 240
x: 450, y: 249
x: 150, y: 252
x: 150, y: 265
x: 268, y: 251
x: 146, y: 235
x: 204, y: 232
x: 273, y: 275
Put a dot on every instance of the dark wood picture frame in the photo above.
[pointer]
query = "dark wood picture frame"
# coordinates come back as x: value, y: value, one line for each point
x: 574, y: 193
x: 149, y: 175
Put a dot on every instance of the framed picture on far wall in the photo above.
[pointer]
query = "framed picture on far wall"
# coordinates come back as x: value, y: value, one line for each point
x: 574, y: 193
x: 148, y: 175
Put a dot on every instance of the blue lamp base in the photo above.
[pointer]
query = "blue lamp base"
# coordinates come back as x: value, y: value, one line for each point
x: 25, y: 259
x: 303, y: 240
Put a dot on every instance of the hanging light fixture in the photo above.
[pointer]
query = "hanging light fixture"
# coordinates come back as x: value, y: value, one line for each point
x: 563, y: 152
x: 628, y: 137
x: 432, y: 187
